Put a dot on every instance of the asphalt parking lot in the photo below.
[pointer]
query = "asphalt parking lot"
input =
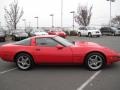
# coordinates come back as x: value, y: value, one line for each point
x: 47, y: 77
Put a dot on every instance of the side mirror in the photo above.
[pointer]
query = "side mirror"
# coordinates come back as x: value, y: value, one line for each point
x: 59, y: 46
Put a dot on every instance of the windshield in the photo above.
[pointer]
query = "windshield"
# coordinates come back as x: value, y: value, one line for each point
x: 39, y: 30
x: 91, y: 28
x: 63, y: 41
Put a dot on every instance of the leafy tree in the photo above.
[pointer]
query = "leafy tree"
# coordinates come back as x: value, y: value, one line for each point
x: 83, y: 15
x: 13, y: 15
x: 116, y: 20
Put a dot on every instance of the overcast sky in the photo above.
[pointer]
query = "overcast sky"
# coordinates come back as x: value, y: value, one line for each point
x: 43, y: 8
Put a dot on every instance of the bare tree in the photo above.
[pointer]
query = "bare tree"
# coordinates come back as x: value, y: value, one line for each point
x: 116, y: 20
x: 83, y: 15
x: 13, y: 15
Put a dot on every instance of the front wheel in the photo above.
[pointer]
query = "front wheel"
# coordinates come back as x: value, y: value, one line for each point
x: 24, y: 61
x: 79, y: 34
x: 95, y: 61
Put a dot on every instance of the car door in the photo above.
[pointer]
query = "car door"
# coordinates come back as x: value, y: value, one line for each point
x: 83, y: 31
x: 47, y: 50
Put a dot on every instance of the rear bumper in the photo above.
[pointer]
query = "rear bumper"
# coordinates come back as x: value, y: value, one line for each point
x: 1, y: 38
x: 64, y: 36
x: 6, y: 57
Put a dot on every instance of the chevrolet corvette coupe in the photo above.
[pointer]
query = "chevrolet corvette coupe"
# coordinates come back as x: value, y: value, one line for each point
x: 52, y: 49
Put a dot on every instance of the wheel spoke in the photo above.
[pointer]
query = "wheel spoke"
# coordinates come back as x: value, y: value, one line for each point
x: 96, y: 57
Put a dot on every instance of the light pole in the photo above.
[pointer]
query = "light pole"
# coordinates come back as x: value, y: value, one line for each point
x: 37, y: 21
x: 61, y: 13
x: 0, y: 24
x: 24, y: 22
x: 73, y: 12
x: 110, y: 10
x: 52, y: 15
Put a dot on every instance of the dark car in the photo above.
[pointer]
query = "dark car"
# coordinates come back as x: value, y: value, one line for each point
x: 2, y: 35
x: 110, y: 31
x: 19, y: 35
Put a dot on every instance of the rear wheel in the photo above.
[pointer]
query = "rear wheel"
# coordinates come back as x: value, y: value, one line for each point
x: 89, y: 35
x: 14, y: 38
x: 95, y: 61
x: 24, y: 61
x: 114, y: 34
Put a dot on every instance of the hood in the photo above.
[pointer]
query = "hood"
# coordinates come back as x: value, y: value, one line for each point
x: 87, y: 44
x: 21, y: 34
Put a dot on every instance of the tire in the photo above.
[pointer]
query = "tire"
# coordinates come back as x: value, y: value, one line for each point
x: 114, y: 34
x: 14, y: 38
x: 79, y: 34
x: 24, y: 61
x: 89, y: 34
x: 95, y: 61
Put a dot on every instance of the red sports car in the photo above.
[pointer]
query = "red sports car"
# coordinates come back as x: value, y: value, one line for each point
x: 57, y: 32
x: 52, y: 49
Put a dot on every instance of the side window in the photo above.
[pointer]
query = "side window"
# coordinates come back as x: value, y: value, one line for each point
x: 25, y: 42
x: 46, y: 42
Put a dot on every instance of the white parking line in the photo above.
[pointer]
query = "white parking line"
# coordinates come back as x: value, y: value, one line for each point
x: 88, y: 81
x: 3, y: 72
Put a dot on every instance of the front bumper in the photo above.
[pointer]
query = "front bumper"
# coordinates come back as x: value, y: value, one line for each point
x: 96, y: 34
x: 114, y: 58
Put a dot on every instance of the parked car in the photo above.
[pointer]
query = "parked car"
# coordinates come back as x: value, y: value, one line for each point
x: 18, y: 34
x: 110, y: 31
x: 58, y: 32
x: 2, y: 35
x: 52, y: 49
x: 36, y: 32
x: 88, y: 31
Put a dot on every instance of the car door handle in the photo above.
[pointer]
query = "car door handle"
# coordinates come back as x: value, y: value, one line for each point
x: 37, y: 49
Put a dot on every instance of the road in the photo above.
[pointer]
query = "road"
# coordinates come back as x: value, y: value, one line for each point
x: 47, y: 77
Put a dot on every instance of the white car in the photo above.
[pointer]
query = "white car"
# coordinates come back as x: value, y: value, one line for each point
x: 89, y: 31
x: 37, y: 32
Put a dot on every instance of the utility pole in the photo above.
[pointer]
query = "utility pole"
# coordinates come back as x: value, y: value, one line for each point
x: 110, y: 10
x: 61, y: 13
x: 73, y: 12
x: 24, y: 23
x: 52, y: 15
x: 37, y: 22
